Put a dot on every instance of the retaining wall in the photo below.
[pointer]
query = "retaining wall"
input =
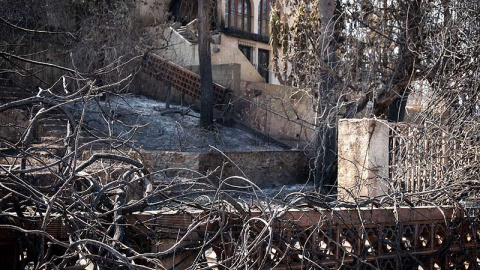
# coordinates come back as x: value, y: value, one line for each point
x: 266, y: 169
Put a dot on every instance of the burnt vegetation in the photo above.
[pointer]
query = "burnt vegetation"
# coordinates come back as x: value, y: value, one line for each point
x: 74, y: 196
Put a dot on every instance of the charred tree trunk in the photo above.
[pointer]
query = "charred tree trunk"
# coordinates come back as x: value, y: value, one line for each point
x: 205, y: 57
x: 326, y: 133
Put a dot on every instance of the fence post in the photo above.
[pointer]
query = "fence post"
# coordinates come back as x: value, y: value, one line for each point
x: 362, y: 158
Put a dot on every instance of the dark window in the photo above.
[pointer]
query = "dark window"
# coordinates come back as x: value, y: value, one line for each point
x: 263, y: 60
x: 247, y: 51
x: 264, y: 17
x: 238, y: 14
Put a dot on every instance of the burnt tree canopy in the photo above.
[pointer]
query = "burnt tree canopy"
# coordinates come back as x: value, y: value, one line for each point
x: 365, y: 58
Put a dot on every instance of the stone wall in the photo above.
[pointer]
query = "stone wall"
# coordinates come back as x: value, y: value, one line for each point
x: 267, y: 169
x: 281, y: 112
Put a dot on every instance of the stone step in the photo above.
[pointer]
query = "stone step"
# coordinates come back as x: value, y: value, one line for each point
x: 271, y: 169
x: 50, y: 140
x: 52, y: 120
x: 187, y: 34
x: 56, y: 146
x: 13, y: 95
x: 51, y: 134
x: 7, y: 99
x: 54, y: 126
x: 59, y: 140
x: 55, y: 115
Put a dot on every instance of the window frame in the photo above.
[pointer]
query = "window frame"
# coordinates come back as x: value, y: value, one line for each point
x: 238, y: 14
x: 264, y: 9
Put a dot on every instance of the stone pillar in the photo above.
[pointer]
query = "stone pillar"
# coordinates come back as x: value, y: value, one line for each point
x: 362, y: 159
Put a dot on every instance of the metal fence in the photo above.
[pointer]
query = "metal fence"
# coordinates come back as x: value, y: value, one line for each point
x: 428, y: 157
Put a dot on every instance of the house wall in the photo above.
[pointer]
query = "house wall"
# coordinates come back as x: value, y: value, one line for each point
x: 227, y: 75
x: 233, y: 42
x: 254, y: 4
x: 227, y: 52
x: 178, y: 50
x: 151, y: 11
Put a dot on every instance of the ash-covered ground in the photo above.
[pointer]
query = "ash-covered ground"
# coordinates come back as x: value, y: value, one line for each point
x: 140, y: 120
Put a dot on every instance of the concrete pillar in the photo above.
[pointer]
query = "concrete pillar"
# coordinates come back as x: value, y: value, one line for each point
x: 362, y: 159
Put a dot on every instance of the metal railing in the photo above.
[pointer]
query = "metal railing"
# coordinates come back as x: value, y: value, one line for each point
x: 427, y: 157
